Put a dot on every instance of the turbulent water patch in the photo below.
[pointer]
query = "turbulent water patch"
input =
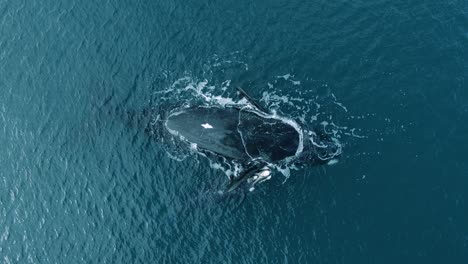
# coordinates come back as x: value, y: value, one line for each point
x: 305, y: 113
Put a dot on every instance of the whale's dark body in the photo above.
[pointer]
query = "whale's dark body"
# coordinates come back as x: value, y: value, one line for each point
x: 235, y: 133
x: 247, y: 135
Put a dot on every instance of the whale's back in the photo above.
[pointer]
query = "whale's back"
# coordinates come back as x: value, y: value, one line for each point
x: 213, y: 129
x: 235, y: 133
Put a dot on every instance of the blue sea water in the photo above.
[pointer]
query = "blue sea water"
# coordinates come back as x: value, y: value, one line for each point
x: 81, y: 181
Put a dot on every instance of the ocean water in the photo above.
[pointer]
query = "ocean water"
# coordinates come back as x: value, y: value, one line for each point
x: 81, y: 181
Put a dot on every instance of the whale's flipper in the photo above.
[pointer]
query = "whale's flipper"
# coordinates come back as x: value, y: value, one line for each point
x: 251, y: 100
x: 235, y: 182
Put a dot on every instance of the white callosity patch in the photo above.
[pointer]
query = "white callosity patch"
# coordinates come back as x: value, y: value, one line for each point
x: 206, y: 126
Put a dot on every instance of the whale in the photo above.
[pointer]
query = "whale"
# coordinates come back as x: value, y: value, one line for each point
x: 250, y: 135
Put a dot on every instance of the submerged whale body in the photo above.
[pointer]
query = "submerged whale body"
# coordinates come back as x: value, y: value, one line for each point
x: 249, y: 136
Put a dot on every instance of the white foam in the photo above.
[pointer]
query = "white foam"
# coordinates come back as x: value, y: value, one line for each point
x: 286, y: 76
x: 193, y: 146
x: 318, y: 109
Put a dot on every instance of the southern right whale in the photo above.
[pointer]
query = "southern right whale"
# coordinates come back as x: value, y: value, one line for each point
x: 248, y: 135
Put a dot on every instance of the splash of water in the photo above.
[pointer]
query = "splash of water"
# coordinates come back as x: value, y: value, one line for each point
x: 304, y: 106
